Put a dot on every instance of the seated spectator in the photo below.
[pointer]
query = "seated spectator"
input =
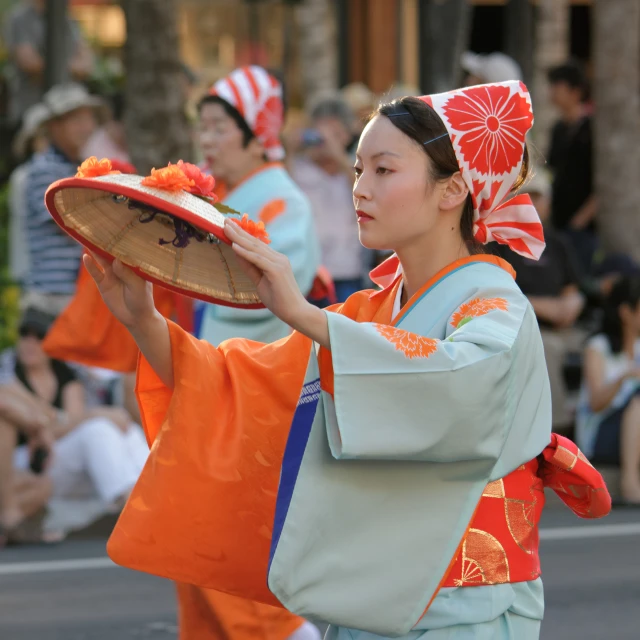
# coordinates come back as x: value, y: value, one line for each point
x: 552, y: 285
x: 54, y: 257
x: 323, y: 169
x: 608, y: 424
x: 97, y: 451
x: 23, y: 494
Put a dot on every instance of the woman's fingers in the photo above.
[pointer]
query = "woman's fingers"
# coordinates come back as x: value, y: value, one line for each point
x: 259, y: 260
x: 93, y: 268
x: 103, y: 263
x: 254, y: 274
x: 240, y: 236
x: 126, y: 274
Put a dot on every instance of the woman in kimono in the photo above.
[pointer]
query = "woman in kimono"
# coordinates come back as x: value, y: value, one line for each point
x: 383, y: 466
x: 240, y: 122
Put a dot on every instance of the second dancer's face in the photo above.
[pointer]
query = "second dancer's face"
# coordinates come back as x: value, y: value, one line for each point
x: 396, y: 202
x: 222, y: 145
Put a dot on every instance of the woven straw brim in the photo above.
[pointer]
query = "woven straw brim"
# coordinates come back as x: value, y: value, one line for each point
x: 208, y: 270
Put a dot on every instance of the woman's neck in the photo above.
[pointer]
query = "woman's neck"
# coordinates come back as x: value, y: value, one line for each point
x: 238, y: 177
x: 423, y: 260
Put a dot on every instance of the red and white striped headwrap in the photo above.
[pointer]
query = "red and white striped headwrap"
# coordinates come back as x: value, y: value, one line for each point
x: 488, y: 125
x: 257, y: 96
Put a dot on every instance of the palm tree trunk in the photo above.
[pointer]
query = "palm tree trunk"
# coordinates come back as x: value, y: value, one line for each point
x: 551, y: 49
x: 155, y: 121
x: 617, y: 130
x: 318, y: 47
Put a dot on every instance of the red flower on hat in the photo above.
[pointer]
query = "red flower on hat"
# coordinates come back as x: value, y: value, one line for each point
x: 255, y: 229
x: 269, y: 122
x: 490, y: 126
x: 94, y: 168
x: 203, y: 184
x: 170, y: 178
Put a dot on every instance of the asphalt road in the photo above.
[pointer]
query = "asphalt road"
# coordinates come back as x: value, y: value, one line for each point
x: 71, y: 592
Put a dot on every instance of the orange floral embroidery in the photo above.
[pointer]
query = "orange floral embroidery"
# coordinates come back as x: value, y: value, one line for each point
x: 411, y: 344
x: 475, y: 308
x: 94, y: 168
x: 203, y: 184
x: 170, y: 178
x: 255, y: 229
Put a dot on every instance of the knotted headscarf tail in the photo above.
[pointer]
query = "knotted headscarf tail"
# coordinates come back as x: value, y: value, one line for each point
x: 488, y: 125
x: 257, y: 96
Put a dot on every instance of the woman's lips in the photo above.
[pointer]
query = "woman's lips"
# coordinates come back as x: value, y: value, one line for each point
x: 363, y: 217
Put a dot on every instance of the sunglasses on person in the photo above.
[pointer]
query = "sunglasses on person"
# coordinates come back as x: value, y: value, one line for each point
x: 32, y: 332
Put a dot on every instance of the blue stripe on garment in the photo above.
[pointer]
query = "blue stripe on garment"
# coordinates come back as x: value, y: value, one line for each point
x: 293, y: 454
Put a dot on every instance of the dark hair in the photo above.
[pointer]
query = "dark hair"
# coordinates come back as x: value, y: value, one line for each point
x: 570, y: 73
x: 624, y: 291
x: 421, y: 124
x: 233, y: 113
x: 36, y: 322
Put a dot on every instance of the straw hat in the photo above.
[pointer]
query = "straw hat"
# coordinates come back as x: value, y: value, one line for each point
x: 165, y: 233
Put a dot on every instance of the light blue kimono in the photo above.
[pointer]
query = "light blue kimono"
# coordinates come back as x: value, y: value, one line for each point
x: 292, y: 233
x: 380, y: 481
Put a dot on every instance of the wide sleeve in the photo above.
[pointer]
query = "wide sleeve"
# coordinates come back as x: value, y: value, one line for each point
x: 203, y: 509
x: 399, y: 395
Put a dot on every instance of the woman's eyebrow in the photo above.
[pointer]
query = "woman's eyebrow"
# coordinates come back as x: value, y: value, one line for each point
x: 381, y: 153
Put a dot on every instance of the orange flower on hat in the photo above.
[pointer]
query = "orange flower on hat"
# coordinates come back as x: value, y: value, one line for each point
x: 255, y: 229
x: 171, y: 178
x: 94, y: 168
x: 203, y: 184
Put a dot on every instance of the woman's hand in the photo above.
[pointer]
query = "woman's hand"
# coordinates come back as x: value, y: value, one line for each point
x: 128, y: 296
x: 273, y: 277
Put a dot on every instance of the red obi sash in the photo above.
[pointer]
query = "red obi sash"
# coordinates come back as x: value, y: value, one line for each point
x: 501, y: 544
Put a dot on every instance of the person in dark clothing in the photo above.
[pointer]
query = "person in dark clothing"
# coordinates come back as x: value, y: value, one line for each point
x: 553, y: 287
x: 573, y: 202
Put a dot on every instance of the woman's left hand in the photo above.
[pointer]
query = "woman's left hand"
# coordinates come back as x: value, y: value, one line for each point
x: 271, y: 273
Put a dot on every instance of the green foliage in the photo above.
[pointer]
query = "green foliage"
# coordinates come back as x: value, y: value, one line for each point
x: 9, y: 292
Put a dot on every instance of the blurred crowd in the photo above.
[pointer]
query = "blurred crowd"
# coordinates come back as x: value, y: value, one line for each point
x: 70, y: 435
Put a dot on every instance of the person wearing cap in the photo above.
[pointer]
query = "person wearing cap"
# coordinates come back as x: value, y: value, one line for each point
x: 240, y: 122
x: 54, y: 257
x: 31, y: 138
x: 487, y: 68
x: 383, y: 467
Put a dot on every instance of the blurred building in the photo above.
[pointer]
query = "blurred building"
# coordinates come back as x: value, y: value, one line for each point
x: 378, y: 40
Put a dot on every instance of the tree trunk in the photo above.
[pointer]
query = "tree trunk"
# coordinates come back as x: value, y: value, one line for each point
x: 518, y: 36
x: 444, y: 36
x: 617, y: 131
x: 551, y: 49
x: 317, y: 47
x: 155, y: 121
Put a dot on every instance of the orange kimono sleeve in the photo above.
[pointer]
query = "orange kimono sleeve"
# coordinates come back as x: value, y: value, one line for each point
x: 203, y: 508
x: 86, y: 332
x: 579, y: 485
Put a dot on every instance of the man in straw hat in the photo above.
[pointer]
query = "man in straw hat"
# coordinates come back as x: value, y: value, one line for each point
x: 240, y: 123
x: 54, y: 257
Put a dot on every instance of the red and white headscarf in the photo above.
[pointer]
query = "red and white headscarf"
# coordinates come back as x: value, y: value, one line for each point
x: 257, y: 96
x: 488, y: 125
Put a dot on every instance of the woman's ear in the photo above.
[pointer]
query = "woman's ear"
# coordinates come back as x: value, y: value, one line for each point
x: 455, y: 193
x: 256, y: 149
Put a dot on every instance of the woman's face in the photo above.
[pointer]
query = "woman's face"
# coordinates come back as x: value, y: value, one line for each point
x: 396, y: 203
x: 221, y: 142
x: 29, y: 348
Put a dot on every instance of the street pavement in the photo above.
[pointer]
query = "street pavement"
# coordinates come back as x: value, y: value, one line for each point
x: 72, y: 592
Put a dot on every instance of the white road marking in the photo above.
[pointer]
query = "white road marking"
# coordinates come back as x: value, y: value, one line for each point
x: 546, y: 534
x: 21, y: 568
x: 591, y: 531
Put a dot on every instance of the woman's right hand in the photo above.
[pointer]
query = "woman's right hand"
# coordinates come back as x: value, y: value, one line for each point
x: 127, y: 295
